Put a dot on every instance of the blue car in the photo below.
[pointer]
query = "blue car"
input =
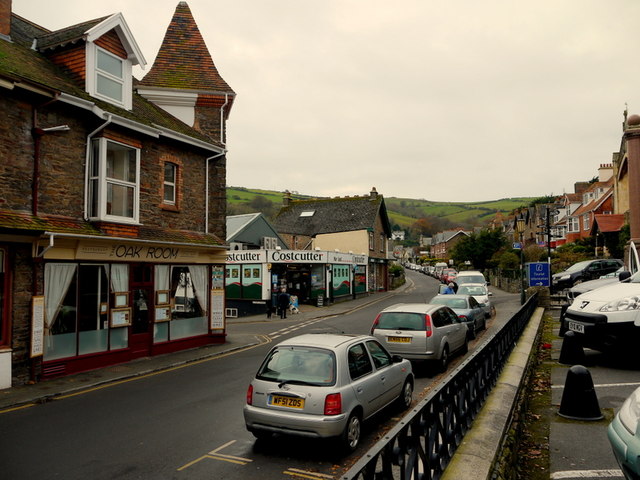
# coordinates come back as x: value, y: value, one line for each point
x: 624, y: 436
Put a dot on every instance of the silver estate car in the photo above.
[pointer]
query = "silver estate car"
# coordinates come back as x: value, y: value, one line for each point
x: 325, y: 385
x: 466, y: 308
x: 421, y: 331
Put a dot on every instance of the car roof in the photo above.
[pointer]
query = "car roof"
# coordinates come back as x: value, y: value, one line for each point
x: 470, y: 272
x: 327, y: 340
x: 412, y: 308
x: 454, y: 295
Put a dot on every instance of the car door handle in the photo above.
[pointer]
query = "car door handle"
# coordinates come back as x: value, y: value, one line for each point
x: 359, y: 389
x: 382, y: 377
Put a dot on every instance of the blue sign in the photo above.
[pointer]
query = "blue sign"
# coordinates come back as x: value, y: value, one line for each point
x: 538, y: 274
x: 517, y: 246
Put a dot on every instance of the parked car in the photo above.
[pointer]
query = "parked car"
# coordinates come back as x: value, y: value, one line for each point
x: 481, y: 293
x: 608, y: 279
x: 325, y: 385
x: 607, y: 318
x: 470, y: 276
x: 583, y: 271
x: 624, y: 436
x: 421, y: 332
x: 466, y: 308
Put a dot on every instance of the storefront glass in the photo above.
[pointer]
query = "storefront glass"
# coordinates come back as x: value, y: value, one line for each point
x: 252, y: 281
x: 189, y: 287
x: 317, y: 281
x: 233, y: 287
x: 341, y: 284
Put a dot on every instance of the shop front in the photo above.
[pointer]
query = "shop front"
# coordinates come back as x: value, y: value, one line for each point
x: 112, y: 301
x: 254, y: 277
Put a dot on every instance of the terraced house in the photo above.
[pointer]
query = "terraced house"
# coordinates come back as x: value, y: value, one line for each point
x: 112, y: 195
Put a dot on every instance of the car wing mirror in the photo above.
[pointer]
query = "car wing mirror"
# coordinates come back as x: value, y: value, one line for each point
x: 623, y: 276
x: 396, y: 358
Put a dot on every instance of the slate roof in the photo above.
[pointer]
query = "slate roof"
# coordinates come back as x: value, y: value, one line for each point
x: 184, y: 62
x: 19, y: 63
x: 25, y: 223
x: 333, y: 215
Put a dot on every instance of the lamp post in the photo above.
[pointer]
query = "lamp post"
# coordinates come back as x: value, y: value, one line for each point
x: 520, y: 226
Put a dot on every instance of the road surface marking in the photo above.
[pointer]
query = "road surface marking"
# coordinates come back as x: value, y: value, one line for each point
x: 215, y: 455
x: 587, y: 474
x: 294, y: 472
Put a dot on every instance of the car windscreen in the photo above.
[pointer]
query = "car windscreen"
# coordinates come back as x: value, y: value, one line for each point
x: 472, y: 290
x: 299, y: 365
x: 401, y: 321
x: 578, y: 266
x: 449, y: 301
x: 471, y: 279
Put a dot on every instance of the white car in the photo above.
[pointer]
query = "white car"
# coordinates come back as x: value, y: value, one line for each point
x: 607, y: 317
x: 471, y: 276
x: 481, y: 293
x: 325, y: 385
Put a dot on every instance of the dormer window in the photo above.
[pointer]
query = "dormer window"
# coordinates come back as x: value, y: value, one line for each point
x: 108, y: 76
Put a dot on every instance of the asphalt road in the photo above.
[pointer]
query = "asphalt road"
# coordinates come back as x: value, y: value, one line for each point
x: 188, y: 423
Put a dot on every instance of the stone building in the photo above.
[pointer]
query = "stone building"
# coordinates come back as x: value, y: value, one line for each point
x: 112, y: 196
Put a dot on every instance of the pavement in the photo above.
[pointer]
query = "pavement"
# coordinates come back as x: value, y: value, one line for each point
x: 578, y: 448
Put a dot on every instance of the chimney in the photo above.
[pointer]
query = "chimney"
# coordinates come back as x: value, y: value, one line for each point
x: 286, y: 198
x: 5, y: 18
x: 580, y: 187
x: 373, y: 193
x: 605, y: 172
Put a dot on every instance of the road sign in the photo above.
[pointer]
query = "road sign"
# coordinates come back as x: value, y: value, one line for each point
x: 517, y: 245
x: 538, y: 274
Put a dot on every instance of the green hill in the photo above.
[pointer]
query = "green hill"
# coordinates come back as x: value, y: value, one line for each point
x: 403, y: 212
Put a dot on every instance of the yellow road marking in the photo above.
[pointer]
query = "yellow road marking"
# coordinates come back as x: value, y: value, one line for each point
x: 293, y: 472
x: 214, y: 455
x: 21, y: 407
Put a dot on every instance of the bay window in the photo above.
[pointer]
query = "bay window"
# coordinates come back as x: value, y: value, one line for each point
x: 114, y: 185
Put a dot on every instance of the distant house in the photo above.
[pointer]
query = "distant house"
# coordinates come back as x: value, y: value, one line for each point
x: 252, y: 231
x: 358, y: 225
x: 596, y: 200
x: 443, y: 242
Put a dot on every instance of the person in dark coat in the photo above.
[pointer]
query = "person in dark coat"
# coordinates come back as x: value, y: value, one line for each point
x: 269, y: 305
x: 283, y: 303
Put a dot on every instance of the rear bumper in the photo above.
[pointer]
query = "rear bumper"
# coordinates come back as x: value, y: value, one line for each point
x: 292, y: 423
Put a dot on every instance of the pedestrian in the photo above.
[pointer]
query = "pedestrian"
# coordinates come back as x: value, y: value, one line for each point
x: 283, y: 303
x: 449, y: 289
x: 269, y: 305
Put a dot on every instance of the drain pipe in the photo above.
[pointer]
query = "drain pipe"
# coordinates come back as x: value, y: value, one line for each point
x: 206, y: 190
x: 222, y: 129
x: 86, y: 165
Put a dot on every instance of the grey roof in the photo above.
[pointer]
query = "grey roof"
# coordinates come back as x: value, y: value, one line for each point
x: 332, y: 215
x: 250, y: 228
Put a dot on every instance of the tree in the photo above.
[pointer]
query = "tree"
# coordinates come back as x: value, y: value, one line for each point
x: 478, y: 248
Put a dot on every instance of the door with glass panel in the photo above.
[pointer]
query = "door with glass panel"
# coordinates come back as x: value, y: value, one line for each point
x: 141, y: 309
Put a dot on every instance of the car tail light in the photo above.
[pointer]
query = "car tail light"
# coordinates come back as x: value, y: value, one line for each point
x: 250, y: 395
x: 427, y: 325
x: 333, y: 404
x: 462, y: 318
x: 375, y: 324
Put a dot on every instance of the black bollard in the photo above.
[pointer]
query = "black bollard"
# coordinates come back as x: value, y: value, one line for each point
x: 572, y: 352
x: 579, y: 400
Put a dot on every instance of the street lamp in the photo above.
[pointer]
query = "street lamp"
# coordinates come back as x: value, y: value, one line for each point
x: 520, y: 226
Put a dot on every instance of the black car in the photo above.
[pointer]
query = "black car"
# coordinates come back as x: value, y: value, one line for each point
x: 583, y: 271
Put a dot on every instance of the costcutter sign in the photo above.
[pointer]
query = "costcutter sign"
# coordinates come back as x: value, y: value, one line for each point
x: 294, y: 256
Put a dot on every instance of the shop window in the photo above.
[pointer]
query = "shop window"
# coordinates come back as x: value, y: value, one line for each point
x: 233, y: 287
x: 114, y: 186
x: 77, y: 309
x: 189, y: 293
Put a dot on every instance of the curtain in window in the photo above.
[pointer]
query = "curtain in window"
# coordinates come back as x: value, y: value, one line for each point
x: 162, y: 277
x: 199, y: 281
x: 57, y: 278
x: 119, y: 277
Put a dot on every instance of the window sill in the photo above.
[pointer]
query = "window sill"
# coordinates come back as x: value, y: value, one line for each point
x: 169, y: 208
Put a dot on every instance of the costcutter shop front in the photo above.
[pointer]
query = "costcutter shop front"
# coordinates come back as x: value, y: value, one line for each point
x: 254, y: 277
x: 95, y: 302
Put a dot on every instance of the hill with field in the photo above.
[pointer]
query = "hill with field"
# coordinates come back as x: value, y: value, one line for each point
x: 417, y: 215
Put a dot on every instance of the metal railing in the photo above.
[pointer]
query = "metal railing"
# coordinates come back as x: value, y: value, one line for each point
x: 422, y: 444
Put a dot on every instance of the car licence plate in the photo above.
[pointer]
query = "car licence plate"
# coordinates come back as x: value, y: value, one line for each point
x: 575, y: 327
x: 399, y: 339
x: 285, y: 401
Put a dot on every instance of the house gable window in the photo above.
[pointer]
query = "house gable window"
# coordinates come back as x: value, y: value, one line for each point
x: 108, y: 76
x: 114, y: 186
x: 574, y: 224
x: 586, y: 221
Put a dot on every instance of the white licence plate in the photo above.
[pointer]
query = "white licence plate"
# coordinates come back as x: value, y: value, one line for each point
x: 575, y: 327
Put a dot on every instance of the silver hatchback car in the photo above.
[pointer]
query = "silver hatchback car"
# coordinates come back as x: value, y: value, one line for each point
x: 325, y: 385
x: 421, y: 332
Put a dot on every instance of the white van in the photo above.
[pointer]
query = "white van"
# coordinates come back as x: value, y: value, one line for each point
x: 438, y: 269
x: 471, y: 276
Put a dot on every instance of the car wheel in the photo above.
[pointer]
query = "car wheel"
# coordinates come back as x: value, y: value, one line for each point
x: 471, y: 334
x: 406, y: 395
x: 465, y: 347
x: 352, y: 431
x: 443, y: 363
x: 484, y: 324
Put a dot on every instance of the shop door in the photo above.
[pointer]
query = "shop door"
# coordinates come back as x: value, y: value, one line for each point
x: 141, y: 310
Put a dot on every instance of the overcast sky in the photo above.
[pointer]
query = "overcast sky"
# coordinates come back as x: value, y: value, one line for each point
x: 440, y: 100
